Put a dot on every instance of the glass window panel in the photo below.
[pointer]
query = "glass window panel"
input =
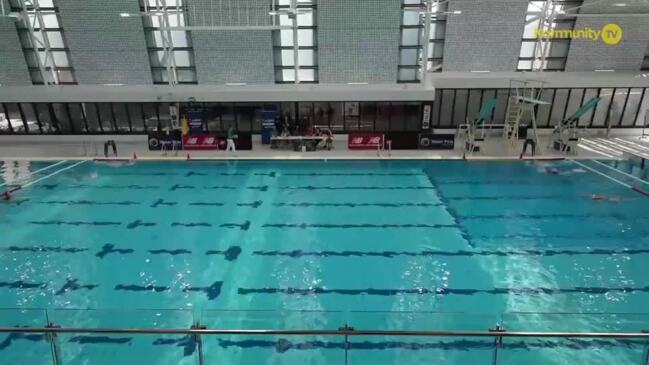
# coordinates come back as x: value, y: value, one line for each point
x: 90, y: 109
x: 320, y: 114
x: 305, y: 19
x: 524, y: 65
x: 5, y: 126
x: 286, y: 75
x: 66, y: 76
x: 228, y: 116
x: 409, y: 57
x: 368, y: 114
x: 382, y: 117
x: 30, y: 117
x: 459, y: 113
x: 438, y: 30
x: 60, y: 58
x: 474, y: 103
x: 447, y: 108
x: 284, y: 20
x: 45, y: 117
x: 530, y: 29
x: 436, y: 50
x: 411, y: 17
x: 407, y: 74
x: 121, y: 117
x: 157, y: 58
x: 574, y: 103
x: 150, y: 116
x: 527, y: 49
x: 213, y: 117
x: 76, y: 117
x: 335, y: 112
x: 643, y: 115
x: 50, y: 20
x: 56, y: 39
x: 165, y: 115
x: 46, y: 3
x: 306, y: 75
x: 628, y: 119
x: 501, y: 105
x: 585, y: 119
x: 286, y: 37
x: 305, y: 37
x: 31, y: 58
x: 285, y: 57
x: 560, y: 100
x: 36, y: 76
x: 559, y: 49
x: 306, y: 57
x: 14, y: 116
x: 410, y: 37
x: 412, y: 116
x: 186, y: 76
x: 543, y: 111
x: 62, y: 117
x: 616, y: 108
x: 135, y: 114
x: 398, y: 117
x: 183, y: 58
x: 602, y: 108
x: 106, y: 115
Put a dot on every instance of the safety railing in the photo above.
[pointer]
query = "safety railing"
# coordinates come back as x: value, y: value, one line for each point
x: 201, y: 343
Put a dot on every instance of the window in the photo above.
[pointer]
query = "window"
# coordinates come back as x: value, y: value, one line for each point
x: 172, y: 48
x: 43, y: 42
x: 413, y: 38
x: 284, y: 47
x: 553, y: 53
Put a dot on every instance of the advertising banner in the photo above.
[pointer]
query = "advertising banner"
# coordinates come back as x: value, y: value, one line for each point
x: 203, y: 142
x: 365, y: 141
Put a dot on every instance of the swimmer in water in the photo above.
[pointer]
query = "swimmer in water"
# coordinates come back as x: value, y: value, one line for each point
x: 7, y: 194
x: 604, y: 198
x: 551, y: 170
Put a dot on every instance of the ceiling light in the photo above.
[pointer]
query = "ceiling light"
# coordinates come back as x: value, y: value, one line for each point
x: 125, y: 15
x: 619, y: 4
x: 236, y: 84
x: 113, y: 84
x: 604, y: 70
x: 480, y: 71
x: 358, y: 83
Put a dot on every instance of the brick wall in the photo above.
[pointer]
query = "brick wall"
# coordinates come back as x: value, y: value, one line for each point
x: 588, y: 55
x: 13, y: 68
x: 104, y: 47
x: 486, y: 36
x: 358, y: 41
x: 232, y: 55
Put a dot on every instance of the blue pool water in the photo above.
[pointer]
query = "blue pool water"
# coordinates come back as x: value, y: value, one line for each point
x: 317, y: 245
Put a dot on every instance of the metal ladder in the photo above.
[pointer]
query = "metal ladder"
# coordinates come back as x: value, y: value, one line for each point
x: 512, y: 121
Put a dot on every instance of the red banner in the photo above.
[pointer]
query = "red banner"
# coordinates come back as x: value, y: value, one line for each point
x: 364, y: 141
x: 203, y: 142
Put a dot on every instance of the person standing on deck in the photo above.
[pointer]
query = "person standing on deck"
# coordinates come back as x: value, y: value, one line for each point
x: 231, y: 136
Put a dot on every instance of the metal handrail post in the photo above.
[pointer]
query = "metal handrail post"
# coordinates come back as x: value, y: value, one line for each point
x: 498, y: 342
x: 53, y: 339
x: 199, y: 342
x: 346, y: 329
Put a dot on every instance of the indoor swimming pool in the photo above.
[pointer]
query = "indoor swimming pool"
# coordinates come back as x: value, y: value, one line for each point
x: 398, y: 245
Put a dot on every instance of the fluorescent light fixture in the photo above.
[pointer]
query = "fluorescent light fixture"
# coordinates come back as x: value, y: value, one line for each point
x: 113, y: 84
x: 457, y: 12
x: 125, y: 15
x: 604, y: 70
x: 619, y: 4
x: 272, y: 13
x: 358, y: 83
x: 236, y: 84
x: 480, y: 71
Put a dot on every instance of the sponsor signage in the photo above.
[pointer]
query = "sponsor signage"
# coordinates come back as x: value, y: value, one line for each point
x: 436, y: 141
x: 203, y: 142
x: 425, y: 120
x: 365, y: 141
x: 159, y: 139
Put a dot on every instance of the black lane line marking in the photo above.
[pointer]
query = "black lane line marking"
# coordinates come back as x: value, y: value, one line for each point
x: 460, y: 253
x: 192, y: 173
x: 640, y: 236
x: 283, y: 345
x: 127, y: 187
x: 260, y: 188
x: 219, y: 187
x: 188, y: 343
x: 242, y: 226
x: 255, y: 204
x: 231, y: 254
x: 109, y: 248
x: 85, y: 339
x: 205, y: 204
x: 442, y: 291
x: 46, y: 186
x: 161, y: 202
x: 73, y: 285
x: 74, y: 223
x: 545, y: 216
x: 350, y: 226
x: 16, y: 202
x: 20, y: 336
x: 354, y: 174
x: 139, y: 223
x: 310, y: 187
x: 489, y: 182
x: 143, y: 174
x: 57, y: 249
x: 213, y: 291
x: 270, y: 174
x: 21, y: 285
x: 87, y: 202
x: 195, y: 224
x: 501, y: 197
x: 181, y: 187
x: 180, y: 251
x: 358, y: 205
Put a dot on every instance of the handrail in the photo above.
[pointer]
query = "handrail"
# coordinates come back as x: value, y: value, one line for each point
x: 340, y: 332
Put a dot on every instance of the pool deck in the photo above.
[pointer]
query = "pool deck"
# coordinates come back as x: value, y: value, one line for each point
x: 494, y: 148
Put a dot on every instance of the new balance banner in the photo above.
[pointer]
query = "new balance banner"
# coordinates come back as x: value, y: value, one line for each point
x: 365, y: 141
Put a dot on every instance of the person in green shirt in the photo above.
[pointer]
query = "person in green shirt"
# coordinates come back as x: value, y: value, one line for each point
x: 231, y: 136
